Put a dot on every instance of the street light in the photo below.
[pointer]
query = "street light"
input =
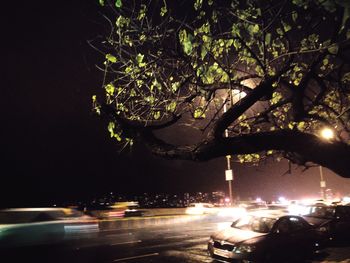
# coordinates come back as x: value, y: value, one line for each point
x: 328, y: 134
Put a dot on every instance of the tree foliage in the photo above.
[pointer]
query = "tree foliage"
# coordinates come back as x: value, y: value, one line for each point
x: 257, y: 78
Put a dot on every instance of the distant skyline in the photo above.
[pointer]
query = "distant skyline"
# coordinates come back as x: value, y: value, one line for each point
x: 54, y: 149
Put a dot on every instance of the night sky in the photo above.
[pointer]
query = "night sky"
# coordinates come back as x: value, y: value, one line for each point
x: 54, y: 149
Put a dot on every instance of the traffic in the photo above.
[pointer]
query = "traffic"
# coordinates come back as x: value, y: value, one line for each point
x: 249, y: 232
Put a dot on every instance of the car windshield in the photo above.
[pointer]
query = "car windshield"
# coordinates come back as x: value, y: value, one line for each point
x: 321, y: 212
x: 256, y: 224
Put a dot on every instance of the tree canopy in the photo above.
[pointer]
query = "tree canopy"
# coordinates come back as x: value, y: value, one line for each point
x: 253, y: 78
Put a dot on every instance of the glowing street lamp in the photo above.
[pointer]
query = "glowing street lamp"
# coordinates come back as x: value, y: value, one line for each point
x: 327, y: 134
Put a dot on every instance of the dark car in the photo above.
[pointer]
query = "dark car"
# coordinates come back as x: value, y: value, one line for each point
x: 269, y: 237
x: 333, y: 220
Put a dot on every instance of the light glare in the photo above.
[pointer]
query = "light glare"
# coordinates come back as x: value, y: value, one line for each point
x: 327, y: 133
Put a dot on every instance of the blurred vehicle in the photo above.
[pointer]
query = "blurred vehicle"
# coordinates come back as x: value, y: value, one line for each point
x: 252, y: 205
x: 267, y: 236
x: 125, y: 209
x: 132, y: 209
x: 200, y: 209
x: 38, y: 226
x: 333, y: 220
x: 115, y: 210
x: 280, y: 207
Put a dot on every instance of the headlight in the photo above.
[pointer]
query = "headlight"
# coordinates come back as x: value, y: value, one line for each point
x: 244, y: 249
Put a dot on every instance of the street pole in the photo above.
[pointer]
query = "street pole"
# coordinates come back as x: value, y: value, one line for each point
x: 322, y: 184
x: 228, y: 172
x: 327, y: 134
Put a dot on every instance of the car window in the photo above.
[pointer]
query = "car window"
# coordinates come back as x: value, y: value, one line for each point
x: 283, y: 226
x: 321, y: 212
x: 297, y: 224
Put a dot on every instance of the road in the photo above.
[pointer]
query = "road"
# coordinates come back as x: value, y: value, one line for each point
x: 175, y: 243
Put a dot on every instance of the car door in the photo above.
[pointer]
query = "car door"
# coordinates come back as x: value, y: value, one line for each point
x: 341, y: 223
x: 292, y: 237
x: 279, y: 241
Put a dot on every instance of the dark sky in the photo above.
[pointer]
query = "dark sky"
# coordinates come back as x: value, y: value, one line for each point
x: 54, y: 149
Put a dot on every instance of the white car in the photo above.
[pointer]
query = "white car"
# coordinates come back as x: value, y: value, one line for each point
x: 38, y: 226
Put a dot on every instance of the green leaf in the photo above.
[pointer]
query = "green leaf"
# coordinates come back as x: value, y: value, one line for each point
x: 186, y: 41
x: 110, y: 89
x: 294, y: 16
x: 163, y: 11
x: 268, y: 39
x: 199, y: 113
x: 237, y: 44
x: 301, y: 126
x: 175, y: 86
x: 139, y: 59
x: 111, y: 58
x: 204, y: 52
x: 102, y: 2
x: 118, y: 3
x: 235, y: 30
x: 276, y: 97
x: 333, y: 49
x: 111, y: 127
x: 279, y: 31
x: 142, y: 12
x: 286, y: 27
x: 171, y: 106
x: 198, y: 4
x: 117, y: 136
x: 156, y: 115
x: 253, y: 29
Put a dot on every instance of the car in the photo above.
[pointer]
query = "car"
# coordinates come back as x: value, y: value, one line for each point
x: 200, y: 209
x: 266, y: 236
x: 253, y: 205
x: 41, y: 226
x: 333, y: 220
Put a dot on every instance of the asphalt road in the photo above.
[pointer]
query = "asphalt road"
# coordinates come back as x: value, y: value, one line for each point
x: 180, y: 243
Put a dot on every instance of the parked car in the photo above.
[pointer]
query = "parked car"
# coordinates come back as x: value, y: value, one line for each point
x: 333, y: 220
x: 38, y: 226
x: 265, y: 237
